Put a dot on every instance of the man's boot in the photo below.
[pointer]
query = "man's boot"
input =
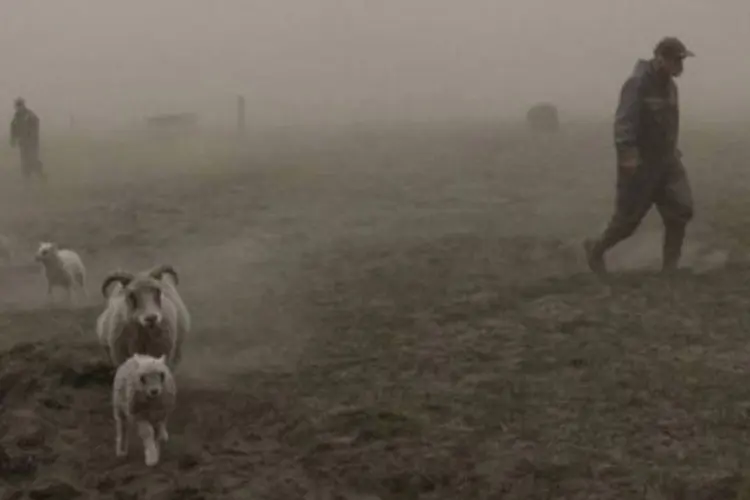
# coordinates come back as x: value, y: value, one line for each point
x: 595, y: 256
x: 674, y: 236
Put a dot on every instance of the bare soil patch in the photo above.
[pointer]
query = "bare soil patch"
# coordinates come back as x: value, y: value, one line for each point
x: 390, y: 315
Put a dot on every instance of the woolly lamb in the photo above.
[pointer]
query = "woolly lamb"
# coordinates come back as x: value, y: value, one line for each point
x: 144, y: 315
x: 63, y: 268
x: 143, y: 393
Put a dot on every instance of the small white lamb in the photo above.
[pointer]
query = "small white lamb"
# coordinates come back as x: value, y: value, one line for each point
x: 63, y: 268
x: 143, y: 392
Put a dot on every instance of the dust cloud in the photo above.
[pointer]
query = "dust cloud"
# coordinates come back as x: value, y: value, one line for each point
x: 132, y: 202
x: 385, y: 242
x: 106, y: 64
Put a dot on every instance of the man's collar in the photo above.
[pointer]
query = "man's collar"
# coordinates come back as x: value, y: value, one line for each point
x: 658, y: 73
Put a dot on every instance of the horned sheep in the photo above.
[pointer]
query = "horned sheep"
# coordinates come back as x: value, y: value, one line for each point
x: 143, y: 393
x: 144, y: 315
x: 63, y: 268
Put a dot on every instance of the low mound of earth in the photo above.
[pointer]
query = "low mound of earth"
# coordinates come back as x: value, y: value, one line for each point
x: 567, y: 388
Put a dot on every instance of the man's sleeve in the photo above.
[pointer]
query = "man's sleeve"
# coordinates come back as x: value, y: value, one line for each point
x: 13, y: 130
x: 627, y: 116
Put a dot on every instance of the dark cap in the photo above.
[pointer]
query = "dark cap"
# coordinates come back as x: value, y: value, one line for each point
x: 19, y: 101
x: 672, y: 48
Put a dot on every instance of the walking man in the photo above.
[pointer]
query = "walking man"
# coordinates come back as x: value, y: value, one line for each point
x: 649, y: 165
x: 24, y: 132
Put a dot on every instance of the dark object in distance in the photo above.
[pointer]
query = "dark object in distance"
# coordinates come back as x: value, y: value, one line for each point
x: 543, y: 117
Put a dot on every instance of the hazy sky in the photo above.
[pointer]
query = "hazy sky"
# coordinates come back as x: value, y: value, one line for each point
x: 349, y: 59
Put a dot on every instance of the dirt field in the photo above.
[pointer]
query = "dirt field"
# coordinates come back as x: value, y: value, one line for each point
x: 394, y: 312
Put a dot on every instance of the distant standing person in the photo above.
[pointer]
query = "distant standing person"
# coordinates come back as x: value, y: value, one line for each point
x: 24, y: 132
x: 649, y: 165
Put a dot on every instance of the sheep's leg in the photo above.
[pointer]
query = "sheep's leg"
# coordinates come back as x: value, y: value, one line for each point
x: 119, y: 352
x: 121, y: 435
x: 150, y: 448
x: 177, y: 356
x: 81, y: 280
x: 162, y: 434
x: 108, y: 354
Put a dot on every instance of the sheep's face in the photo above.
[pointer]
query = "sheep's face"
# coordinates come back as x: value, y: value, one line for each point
x: 151, y: 373
x: 144, y: 303
x: 45, y: 252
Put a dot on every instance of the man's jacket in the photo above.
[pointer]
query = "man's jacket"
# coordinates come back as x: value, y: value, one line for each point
x: 647, y: 120
x: 24, y: 128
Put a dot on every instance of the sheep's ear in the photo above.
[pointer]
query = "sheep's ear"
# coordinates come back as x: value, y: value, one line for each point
x: 159, y: 272
x: 162, y: 358
x: 121, y: 277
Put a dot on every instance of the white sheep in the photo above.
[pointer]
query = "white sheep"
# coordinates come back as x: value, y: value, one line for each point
x: 63, y: 268
x: 143, y: 393
x: 144, y: 315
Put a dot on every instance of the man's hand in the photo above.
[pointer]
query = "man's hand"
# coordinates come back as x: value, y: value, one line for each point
x: 629, y: 160
x: 629, y: 164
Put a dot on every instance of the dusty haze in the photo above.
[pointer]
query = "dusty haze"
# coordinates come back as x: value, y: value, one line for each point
x: 336, y: 60
x: 379, y: 310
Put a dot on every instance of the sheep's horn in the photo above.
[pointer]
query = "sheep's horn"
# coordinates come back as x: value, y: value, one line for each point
x: 158, y: 272
x: 119, y: 276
